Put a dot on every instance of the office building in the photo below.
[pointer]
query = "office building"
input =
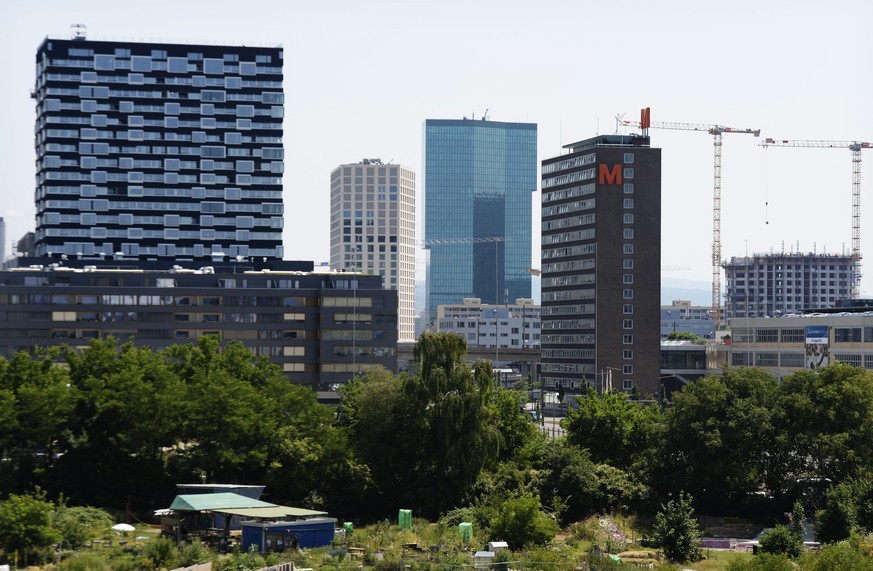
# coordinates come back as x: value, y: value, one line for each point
x: 511, y: 326
x: 158, y: 151
x: 601, y: 269
x: 321, y: 329
x: 478, y: 180
x: 785, y: 345
x: 683, y: 317
x: 372, y: 229
x: 770, y: 285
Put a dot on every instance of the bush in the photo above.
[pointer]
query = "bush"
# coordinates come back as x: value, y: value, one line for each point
x: 25, y: 527
x: 842, y: 556
x: 520, y: 522
x: 194, y: 553
x: 763, y: 562
x: 85, y: 562
x: 782, y: 540
x: 159, y: 553
x: 78, y: 525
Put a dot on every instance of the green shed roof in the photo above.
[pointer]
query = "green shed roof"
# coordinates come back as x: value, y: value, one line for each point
x: 215, y: 502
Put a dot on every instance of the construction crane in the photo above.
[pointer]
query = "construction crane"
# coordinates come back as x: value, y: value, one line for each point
x: 645, y: 123
x: 855, y: 147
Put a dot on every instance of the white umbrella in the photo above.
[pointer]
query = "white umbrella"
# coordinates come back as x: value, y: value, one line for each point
x: 123, y: 527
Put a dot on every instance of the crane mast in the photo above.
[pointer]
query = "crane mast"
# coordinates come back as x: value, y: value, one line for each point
x: 855, y: 147
x: 716, y: 131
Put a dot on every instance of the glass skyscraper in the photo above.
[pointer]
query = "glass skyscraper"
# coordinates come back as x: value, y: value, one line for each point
x: 151, y: 151
x: 478, y: 180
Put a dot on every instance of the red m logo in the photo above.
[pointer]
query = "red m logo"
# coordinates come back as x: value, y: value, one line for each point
x: 607, y: 175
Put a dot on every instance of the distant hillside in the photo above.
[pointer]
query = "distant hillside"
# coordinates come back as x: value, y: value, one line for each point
x: 698, y: 292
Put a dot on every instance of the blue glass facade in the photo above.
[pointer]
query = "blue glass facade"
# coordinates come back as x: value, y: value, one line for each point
x: 478, y: 179
x: 158, y: 151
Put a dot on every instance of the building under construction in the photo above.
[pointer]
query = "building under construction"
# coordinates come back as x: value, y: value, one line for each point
x: 771, y: 285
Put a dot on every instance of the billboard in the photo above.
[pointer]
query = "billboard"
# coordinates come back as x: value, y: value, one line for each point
x: 817, y: 346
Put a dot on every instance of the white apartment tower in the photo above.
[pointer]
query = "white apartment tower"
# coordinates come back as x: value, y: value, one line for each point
x: 372, y: 229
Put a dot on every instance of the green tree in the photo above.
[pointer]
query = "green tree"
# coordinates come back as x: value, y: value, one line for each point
x: 521, y: 522
x: 515, y: 427
x: 128, y: 412
x: 838, y: 519
x: 827, y: 422
x: 616, y: 430
x: 719, y: 438
x: 426, y: 438
x: 782, y: 540
x: 229, y: 416
x: 37, y: 401
x: 676, y: 530
x: 26, y: 526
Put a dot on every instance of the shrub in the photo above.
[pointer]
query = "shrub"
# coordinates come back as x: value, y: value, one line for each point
x: 158, y: 553
x: 520, y: 522
x: 782, y: 540
x: 676, y: 530
x: 85, y: 562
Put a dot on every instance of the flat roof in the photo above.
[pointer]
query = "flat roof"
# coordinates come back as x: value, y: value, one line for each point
x: 215, y: 502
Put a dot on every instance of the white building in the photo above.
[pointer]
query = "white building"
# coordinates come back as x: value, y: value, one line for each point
x: 785, y: 345
x: 512, y: 326
x: 372, y: 229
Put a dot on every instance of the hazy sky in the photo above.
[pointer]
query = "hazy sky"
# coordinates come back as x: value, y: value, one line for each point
x: 361, y: 77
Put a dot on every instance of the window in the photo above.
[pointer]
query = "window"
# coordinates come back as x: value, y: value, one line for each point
x: 627, y: 293
x: 627, y: 354
x: 627, y: 308
x: 213, y: 66
x: 628, y: 188
x: 627, y: 324
x: 627, y: 369
x: 140, y: 63
x: 627, y: 278
x: 627, y: 263
x: 177, y: 65
x: 627, y: 339
x: 104, y: 63
x: 628, y: 218
x: 628, y: 174
x: 628, y: 234
x: 629, y: 158
x: 628, y: 249
x: 847, y: 334
x: 628, y: 203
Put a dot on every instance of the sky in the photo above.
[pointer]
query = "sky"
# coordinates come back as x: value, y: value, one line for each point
x: 362, y: 76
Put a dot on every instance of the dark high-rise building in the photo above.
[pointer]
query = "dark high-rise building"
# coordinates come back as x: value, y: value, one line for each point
x: 601, y: 265
x: 158, y: 151
x: 478, y: 180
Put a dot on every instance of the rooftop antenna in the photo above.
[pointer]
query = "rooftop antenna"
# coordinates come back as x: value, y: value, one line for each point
x: 485, y: 116
x: 80, y: 31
